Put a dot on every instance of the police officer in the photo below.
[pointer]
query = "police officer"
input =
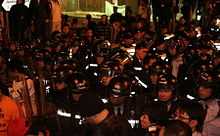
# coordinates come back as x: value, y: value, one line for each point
x: 141, y: 51
x: 118, y: 100
x: 79, y: 85
x: 136, y: 67
x: 166, y: 92
x: 105, y: 76
x: 99, y: 121
x: 69, y: 119
x: 88, y: 44
x: 60, y: 93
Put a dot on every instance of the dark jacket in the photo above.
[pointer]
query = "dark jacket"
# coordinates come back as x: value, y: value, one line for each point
x: 111, y: 126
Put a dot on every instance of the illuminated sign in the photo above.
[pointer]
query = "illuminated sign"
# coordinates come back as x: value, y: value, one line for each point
x: 7, y: 4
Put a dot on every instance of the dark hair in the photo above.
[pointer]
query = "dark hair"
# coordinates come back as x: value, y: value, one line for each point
x: 177, y: 128
x: 41, y: 124
x: 65, y: 24
x: 157, y: 112
x: 89, y: 16
x: 141, y: 45
x: 74, y: 20
x: 195, y: 111
x: 121, y: 82
x: 116, y: 127
x: 104, y: 16
x: 88, y: 29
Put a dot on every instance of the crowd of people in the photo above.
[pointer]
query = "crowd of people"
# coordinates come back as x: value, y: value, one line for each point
x: 118, y: 76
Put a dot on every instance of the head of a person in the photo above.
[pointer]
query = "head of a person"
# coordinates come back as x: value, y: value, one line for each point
x: 178, y: 58
x: 127, y: 39
x: 140, y: 24
x: 205, y: 52
x: 164, y: 30
x: 165, y: 88
x: 104, y: 19
x: 99, y: 58
x: 102, y: 50
x: 176, y: 128
x: 116, y: 25
x: 12, y: 46
x: 74, y: 22
x: 206, y: 85
x: 191, y: 113
x: 205, y: 91
x: 39, y: 63
x: 139, y: 34
x: 39, y: 127
x: 66, y: 28
x: 16, y: 69
x: 141, y: 51
x: 153, y: 77
x: 149, y: 61
x: 106, y: 75
x: 88, y: 33
x: 74, y: 47
x: 79, y: 85
x: 119, y: 90
x: 182, y: 21
x: 60, y: 84
x: 161, y: 46
x: 151, y: 113
x: 172, y: 50
x: 165, y: 94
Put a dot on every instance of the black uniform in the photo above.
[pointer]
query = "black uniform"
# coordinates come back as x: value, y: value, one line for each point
x: 91, y: 105
x: 111, y: 126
